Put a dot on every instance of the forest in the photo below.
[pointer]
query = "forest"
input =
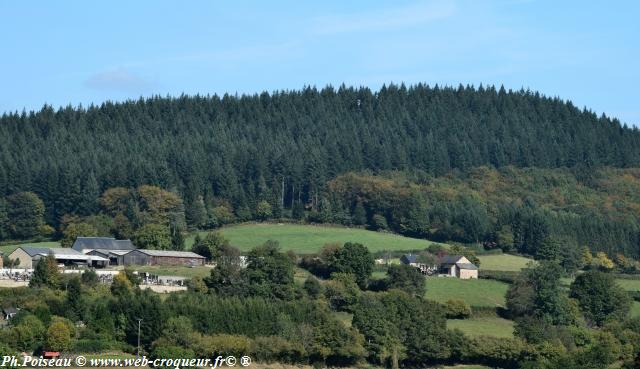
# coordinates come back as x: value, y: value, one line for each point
x: 508, y: 169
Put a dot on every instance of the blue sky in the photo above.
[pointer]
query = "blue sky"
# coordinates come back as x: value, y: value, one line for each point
x: 72, y: 52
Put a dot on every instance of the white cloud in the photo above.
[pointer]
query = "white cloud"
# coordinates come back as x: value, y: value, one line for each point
x: 386, y: 19
x: 118, y: 79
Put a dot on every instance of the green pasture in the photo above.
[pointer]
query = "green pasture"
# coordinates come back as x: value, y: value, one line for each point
x: 7, y: 249
x: 476, y: 292
x: 308, y: 239
x: 503, y: 262
x: 483, y: 326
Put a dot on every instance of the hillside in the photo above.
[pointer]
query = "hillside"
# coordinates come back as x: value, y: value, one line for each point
x: 510, y: 208
x: 249, y: 148
x: 307, y: 239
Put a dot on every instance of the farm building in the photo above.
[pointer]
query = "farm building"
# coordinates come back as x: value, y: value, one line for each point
x: 115, y: 257
x: 162, y: 257
x: 412, y: 260
x: 458, y: 266
x: 409, y: 259
x: 28, y: 257
x: 9, y: 312
x: 87, y: 244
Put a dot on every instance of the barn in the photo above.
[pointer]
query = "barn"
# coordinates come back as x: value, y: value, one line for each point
x: 87, y: 244
x: 458, y: 266
x: 162, y: 257
x: 28, y: 256
x: 116, y: 257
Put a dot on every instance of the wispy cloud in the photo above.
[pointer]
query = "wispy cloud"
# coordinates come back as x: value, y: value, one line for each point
x: 118, y: 79
x: 385, y: 19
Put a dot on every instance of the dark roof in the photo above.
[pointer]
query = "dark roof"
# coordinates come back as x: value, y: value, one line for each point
x: 33, y: 251
x: 10, y: 310
x: 169, y: 253
x: 467, y: 266
x: 409, y: 258
x: 450, y: 259
x: 104, y: 243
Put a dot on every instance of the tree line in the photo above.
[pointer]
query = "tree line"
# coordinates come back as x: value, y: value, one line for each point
x: 282, y: 148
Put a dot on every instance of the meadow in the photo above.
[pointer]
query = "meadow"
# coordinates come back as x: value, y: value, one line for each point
x: 629, y: 284
x: 7, y: 249
x: 483, y: 326
x: 476, y: 292
x: 308, y: 239
x: 635, y: 310
x: 503, y: 262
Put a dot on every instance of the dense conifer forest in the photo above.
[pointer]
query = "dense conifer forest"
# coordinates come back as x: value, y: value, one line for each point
x: 284, y: 149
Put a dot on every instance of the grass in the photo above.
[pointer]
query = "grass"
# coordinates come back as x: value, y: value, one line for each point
x: 635, y: 310
x: 503, y: 262
x: 626, y: 284
x: 629, y: 284
x: 476, y: 292
x: 108, y: 355
x: 300, y: 275
x: 378, y: 275
x: 7, y: 249
x: 308, y: 239
x: 181, y: 271
x: 344, y: 317
x: 483, y: 326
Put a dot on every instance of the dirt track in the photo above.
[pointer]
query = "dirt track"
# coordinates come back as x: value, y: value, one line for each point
x: 163, y: 289
x: 10, y: 283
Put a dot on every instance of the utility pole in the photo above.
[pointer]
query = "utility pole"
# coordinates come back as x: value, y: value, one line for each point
x: 139, y: 320
x: 282, y: 198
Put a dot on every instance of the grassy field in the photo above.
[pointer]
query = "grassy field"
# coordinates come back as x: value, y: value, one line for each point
x: 485, y: 326
x: 307, y: 239
x: 7, y: 249
x: 503, y: 262
x: 476, y: 292
x: 629, y: 284
x: 626, y: 284
x: 635, y: 309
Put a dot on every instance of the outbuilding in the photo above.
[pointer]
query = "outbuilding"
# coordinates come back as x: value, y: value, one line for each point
x: 162, y: 257
x: 87, y: 244
x: 458, y: 266
x: 28, y: 256
x: 115, y: 257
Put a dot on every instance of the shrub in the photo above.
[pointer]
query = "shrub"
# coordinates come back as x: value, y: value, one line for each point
x: 95, y: 345
x: 457, y: 309
x: 222, y: 344
x: 276, y: 349
x: 499, y: 275
x: 498, y: 352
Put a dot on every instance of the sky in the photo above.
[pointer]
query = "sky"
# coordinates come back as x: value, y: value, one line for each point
x: 82, y: 52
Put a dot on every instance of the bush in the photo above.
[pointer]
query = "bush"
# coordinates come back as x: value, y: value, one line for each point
x: 457, y: 309
x: 497, y: 352
x: 276, y: 349
x: 222, y: 344
x: 95, y: 345
x: 487, y: 311
x: 499, y: 275
x: 172, y: 352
